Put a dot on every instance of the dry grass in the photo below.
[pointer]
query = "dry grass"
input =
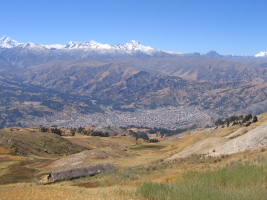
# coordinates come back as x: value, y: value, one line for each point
x: 21, y: 192
x: 136, y: 164
x: 122, y: 150
x: 100, y: 142
x: 37, y: 143
x: 4, y: 150
x: 124, y: 183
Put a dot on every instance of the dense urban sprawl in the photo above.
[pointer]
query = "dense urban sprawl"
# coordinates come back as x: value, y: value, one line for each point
x: 165, y: 117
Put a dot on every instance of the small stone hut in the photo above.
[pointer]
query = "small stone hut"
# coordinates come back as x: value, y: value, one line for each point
x: 90, y: 170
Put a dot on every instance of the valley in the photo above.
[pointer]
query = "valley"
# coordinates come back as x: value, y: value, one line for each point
x: 82, y: 84
x: 165, y: 117
x: 97, y: 121
x: 133, y: 100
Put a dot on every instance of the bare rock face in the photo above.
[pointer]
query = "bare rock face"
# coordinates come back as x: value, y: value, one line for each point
x: 69, y: 174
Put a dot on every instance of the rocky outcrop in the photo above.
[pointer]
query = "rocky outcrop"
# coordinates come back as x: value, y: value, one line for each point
x: 90, y: 170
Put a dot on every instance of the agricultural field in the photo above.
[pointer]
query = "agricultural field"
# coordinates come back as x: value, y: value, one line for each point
x: 190, y: 165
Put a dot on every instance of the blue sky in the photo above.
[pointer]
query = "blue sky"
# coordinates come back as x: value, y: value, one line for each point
x: 226, y: 26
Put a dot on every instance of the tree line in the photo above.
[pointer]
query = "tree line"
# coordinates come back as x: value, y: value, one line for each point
x: 234, y: 120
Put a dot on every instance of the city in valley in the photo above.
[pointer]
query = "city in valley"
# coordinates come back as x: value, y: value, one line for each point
x: 165, y: 117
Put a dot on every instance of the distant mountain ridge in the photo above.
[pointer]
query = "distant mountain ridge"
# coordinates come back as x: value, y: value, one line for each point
x: 7, y: 42
x: 41, y: 82
x: 21, y: 55
x: 128, y: 48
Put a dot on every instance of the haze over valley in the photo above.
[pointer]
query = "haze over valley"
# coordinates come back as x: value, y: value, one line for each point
x: 82, y: 84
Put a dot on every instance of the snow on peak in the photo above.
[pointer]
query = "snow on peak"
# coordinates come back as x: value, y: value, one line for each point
x: 54, y: 46
x: 87, y: 45
x: 29, y: 44
x: 134, y: 42
x: 129, y: 48
x: 7, y: 42
x: 134, y: 46
x: 261, y: 54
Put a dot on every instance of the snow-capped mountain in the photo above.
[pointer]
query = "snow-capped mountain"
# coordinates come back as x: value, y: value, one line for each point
x: 134, y: 46
x: 128, y: 48
x: 25, y: 54
x: 261, y: 54
x: 54, y: 46
x: 7, y: 42
x: 87, y: 45
x: 131, y: 46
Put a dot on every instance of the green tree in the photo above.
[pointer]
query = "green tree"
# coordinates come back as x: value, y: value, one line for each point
x: 255, y: 119
x: 44, y: 129
x: 72, y: 132
x: 219, y: 122
x: 80, y: 129
x: 153, y: 140
x: 249, y: 117
x: 57, y: 131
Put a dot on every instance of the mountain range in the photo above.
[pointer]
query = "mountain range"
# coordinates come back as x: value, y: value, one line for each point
x: 42, y: 82
x: 128, y: 48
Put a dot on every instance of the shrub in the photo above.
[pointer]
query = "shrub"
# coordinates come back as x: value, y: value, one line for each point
x: 153, y: 140
x: 101, y: 134
x: 72, y: 132
x: 44, y: 129
x: 255, y: 119
x: 56, y: 131
x: 80, y: 129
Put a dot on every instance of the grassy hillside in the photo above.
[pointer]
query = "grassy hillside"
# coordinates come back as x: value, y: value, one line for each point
x: 245, y: 182
x: 178, y: 167
x: 32, y: 142
x: 25, y: 152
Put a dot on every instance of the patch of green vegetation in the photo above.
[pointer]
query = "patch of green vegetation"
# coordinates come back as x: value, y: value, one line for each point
x: 246, y: 182
x: 4, y: 166
x: 18, y: 172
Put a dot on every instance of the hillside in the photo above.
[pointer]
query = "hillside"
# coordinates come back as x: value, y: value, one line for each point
x: 205, y: 68
x: 201, y: 155
x: 44, y: 84
x: 220, y: 143
x: 128, y: 86
x: 24, y: 151
x: 31, y: 142
x: 21, y: 103
x: 61, y: 91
